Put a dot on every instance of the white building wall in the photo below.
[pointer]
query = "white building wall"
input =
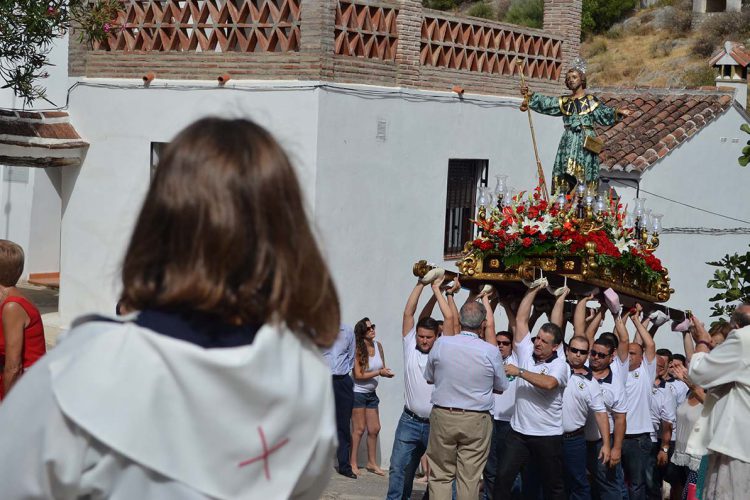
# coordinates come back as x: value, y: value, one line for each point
x: 16, y: 195
x: 31, y: 201
x: 43, y: 254
x: 702, y: 172
x: 378, y: 205
x: 101, y: 199
x: 381, y: 204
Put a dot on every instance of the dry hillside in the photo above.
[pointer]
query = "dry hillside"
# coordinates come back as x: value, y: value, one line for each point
x: 656, y: 47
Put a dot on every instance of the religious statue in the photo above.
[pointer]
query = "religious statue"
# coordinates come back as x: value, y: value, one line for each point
x: 577, y: 157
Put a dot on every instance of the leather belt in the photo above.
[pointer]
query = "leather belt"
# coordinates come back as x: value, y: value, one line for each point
x: 636, y: 436
x: 415, y: 416
x: 572, y: 434
x: 339, y: 377
x: 460, y: 410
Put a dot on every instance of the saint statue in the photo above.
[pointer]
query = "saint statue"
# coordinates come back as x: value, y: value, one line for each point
x: 577, y: 157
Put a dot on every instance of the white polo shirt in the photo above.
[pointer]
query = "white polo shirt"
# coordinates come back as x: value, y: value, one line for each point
x: 580, y: 397
x: 417, y: 392
x: 638, y: 397
x: 619, y: 368
x: 663, y: 409
x: 538, y: 412
x: 612, y: 390
x: 465, y: 369
x: 679, y: 390
x: 505, y: 402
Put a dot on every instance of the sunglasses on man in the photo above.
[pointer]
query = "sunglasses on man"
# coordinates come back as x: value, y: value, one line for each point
x: 582, y: 352
x: 599, y: 354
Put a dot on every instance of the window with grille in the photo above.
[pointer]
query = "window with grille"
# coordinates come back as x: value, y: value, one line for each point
x: 464, y: 176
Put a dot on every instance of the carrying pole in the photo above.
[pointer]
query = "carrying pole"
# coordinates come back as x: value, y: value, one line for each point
x: 525, y: 107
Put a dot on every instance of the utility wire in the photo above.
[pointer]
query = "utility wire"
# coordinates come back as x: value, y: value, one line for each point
x: 684, y: 204
x: 374, y: 93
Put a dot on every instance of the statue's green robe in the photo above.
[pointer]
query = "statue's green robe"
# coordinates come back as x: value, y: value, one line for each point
x: 579, y: 117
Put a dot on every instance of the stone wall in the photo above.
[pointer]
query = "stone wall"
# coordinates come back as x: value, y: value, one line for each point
x: 394, y: 43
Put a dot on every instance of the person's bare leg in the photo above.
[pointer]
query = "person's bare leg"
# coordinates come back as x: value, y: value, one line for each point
x: 358, y: 428
x: 373, y: 429
x: 425, y: 469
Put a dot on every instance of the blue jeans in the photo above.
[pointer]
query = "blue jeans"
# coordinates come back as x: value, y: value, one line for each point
x: 635, y: 457
x: 409, y: 445
x: 574, y: 462
x: 607, y: 481
x: 500, y: 430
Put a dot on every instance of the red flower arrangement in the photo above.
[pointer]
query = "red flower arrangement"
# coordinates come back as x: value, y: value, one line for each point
x: 529, y: 225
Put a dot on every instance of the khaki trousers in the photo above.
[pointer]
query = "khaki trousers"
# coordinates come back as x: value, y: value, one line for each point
x: 457, y: 449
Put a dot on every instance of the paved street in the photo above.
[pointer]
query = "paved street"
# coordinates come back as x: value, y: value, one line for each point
x: 368, y: 486
x: 46, y: 300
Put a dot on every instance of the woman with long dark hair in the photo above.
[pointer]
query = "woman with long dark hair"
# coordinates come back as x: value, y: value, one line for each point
x: 369, y: 363
x: 198, y: 394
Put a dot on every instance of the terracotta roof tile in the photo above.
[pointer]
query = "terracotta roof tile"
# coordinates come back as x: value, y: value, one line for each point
x: 39, y: 139
x: 662, y: 120
x: 736, y: 51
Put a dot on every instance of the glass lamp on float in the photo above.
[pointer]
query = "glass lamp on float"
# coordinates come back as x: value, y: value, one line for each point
x: 655, y: 228
x: 483, y: 201
x: 580, y: 193
x: 629, y: 221
x: 501, y: 189
x: 639, y: 211
x: 560, y: 201
x: 510, y: 193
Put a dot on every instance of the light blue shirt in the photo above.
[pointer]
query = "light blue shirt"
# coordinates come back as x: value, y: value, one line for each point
x: 465, y: 369
x: 340, y: 356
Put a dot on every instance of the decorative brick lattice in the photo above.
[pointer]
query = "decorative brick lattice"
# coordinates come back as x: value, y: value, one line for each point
x: 206, y: 26
x: 366, y: 31
x: 470, y: 46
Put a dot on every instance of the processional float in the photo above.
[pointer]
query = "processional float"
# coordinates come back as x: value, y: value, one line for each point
x: 582, y: 237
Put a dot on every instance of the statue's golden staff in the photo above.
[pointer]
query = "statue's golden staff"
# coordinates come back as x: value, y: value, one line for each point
x: 525, y: 107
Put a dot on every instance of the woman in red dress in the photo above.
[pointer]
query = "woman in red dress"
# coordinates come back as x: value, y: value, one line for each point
x: 21, y: 329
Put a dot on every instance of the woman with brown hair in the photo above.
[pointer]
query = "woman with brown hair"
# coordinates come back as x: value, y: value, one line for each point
x: 21, y: 329
x: 369, y: 363
x: 200, y: 393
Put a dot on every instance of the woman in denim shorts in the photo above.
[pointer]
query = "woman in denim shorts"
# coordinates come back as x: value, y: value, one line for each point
x: 369, y: 364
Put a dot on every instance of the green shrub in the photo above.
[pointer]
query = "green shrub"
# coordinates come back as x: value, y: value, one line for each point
x: 440, y: 4
x: 526, y: 13
x: 596, y: 47
x: 677, y: 19
x: 599, y: 15
x: 502, y: 8
x: 614, y: 32
x: 483, y: 10
x: 702, y: 47
x: 661, y: 48
x: 726, y: 26
x: 699, y: 77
